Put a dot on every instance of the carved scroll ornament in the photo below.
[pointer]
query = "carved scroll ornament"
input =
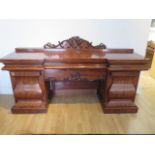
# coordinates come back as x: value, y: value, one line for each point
x: 74, y: 42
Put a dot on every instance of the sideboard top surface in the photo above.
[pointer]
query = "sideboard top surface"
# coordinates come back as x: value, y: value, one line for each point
x: 71, y: 55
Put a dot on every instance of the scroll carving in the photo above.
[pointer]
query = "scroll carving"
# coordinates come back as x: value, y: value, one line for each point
x: 76, y: 43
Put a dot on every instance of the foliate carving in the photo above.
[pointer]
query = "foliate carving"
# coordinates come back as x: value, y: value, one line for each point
x: 75, y: 42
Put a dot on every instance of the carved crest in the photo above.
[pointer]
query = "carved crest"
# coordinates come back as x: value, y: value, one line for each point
x: 75, y: 42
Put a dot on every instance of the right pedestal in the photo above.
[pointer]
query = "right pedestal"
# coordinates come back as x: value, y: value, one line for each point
x: 120, y: 91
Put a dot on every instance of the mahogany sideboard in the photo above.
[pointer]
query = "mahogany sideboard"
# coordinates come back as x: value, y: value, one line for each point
x: 74, y: 63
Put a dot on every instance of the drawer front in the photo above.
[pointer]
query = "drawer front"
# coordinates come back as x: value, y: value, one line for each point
x: 61, y: 74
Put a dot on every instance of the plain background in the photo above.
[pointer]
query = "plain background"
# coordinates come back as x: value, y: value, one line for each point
x: 115, y: 33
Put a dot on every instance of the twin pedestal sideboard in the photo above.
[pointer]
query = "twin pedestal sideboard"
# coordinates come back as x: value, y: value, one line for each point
x: 74, y: 63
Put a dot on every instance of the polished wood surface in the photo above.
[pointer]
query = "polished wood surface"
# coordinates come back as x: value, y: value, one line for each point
x: 70, y: 55
x: 80, y: 112
x: 35, y: 73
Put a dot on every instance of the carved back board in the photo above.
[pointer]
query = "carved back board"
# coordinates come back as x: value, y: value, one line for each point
x: 75, y: 43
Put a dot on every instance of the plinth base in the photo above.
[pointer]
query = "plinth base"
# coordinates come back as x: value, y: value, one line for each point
x: 17, y: 110
x: 110, y: 110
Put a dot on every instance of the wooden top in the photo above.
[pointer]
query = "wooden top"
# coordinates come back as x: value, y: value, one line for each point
x: 73, y: 50
x: 70, y: 55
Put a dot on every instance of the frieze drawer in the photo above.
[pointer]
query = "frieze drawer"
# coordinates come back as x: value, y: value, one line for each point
x: 61, y: 74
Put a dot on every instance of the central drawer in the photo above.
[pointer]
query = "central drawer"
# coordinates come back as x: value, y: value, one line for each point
x: 74, y: 74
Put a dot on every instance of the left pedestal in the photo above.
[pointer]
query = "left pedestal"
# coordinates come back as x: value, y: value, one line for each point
x: 29, y: 92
